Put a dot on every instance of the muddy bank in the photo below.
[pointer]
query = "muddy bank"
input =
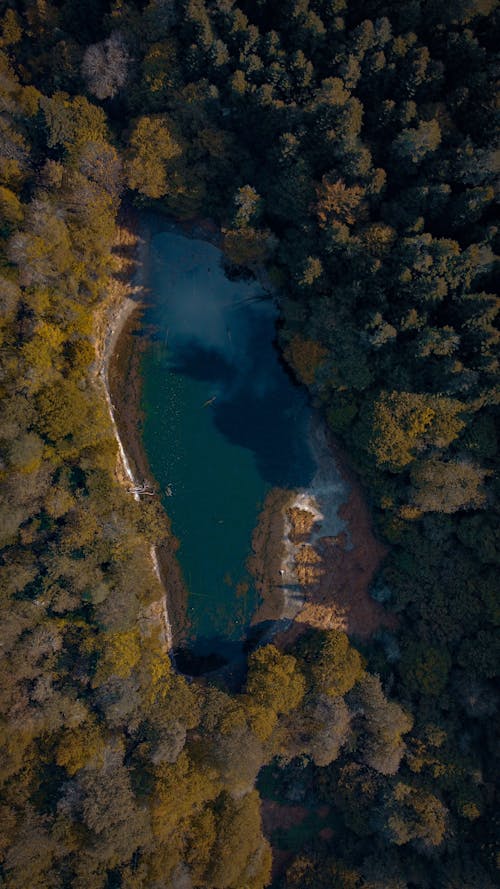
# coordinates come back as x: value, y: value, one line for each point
x: 315, y: 554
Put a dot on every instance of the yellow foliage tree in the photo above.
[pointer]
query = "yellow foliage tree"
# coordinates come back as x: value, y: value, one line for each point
x: 10, y: 206
x: 405, y: 423
x: 180, y: 791
x: 151, y: 146
x: 122, y: 652
x: 337, y: 202
x: 78, y: 746
x: 274, y: 680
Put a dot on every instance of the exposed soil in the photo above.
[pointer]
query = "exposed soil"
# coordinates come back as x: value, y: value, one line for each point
x: 308, y: 580
x: 337, y: 580
x: 276, y: 816
x: 125, y: 389
x: 350, y: 571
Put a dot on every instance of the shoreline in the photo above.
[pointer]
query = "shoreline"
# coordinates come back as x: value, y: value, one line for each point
x: 116, y: 316
x: 124, y: 387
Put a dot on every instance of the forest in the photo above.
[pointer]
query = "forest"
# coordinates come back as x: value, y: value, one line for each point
x: 348, y: 146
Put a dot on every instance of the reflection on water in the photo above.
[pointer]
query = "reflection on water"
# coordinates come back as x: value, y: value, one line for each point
x: 223, y: 423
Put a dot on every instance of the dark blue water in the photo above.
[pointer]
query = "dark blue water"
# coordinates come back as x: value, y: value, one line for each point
x: 223, y: 424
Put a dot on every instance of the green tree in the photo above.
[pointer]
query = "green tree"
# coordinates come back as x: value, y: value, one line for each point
x: 413, y: 815
x: 425, y: 668
x: 414, y: 143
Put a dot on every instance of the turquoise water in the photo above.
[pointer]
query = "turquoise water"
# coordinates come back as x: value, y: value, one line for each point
x: 223, y: 423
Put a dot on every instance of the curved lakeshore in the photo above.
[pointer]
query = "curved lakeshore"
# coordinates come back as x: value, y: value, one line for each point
x: 120, y: 314
x: 308, y: 530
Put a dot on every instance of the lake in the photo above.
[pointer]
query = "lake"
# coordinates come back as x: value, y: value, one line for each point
x: 223, y: 424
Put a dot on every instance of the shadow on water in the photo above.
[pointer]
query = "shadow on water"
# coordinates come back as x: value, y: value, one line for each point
x: 239, y: 422
x: 257, y: 404
x: 202, y: 363
x: 224, y: 662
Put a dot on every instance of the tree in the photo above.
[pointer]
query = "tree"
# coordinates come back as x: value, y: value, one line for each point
x: 100, y: 162
x: 413, y: 815
x: 384, y: 723
x: 248, y: 246
x: 29, y: 860
x: 79, y: 745
x: 11, y: 211
x: 274, y: 680
x: 405, y: 423
x: 161, y: 73
x: 336, y: 202
x: 43, y: 251
x: 331, y: 664
x: 181, y: 789
x: 311, y: 271
x: 26, y: 452
x: 414, y: 143
x: 236, y: 729
x: 105, y: 66
x: 72, y: 121
x: 12, y: 31
x: 448, y: 486
x: 319, y: 729
x: 151, y: 146
x: 306, y: 357
x: 425, y: 668
x: 101, y: 798
x: 247, y: 203
x: 121, y: 653
x: 69, y: 417
x: 237, y: 753
x: 241, y: 855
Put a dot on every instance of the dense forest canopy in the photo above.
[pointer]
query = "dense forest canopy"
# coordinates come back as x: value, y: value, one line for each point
x: 349, y: 147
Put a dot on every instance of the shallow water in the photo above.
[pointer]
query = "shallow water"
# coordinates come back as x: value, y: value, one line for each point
x: 223, y: 423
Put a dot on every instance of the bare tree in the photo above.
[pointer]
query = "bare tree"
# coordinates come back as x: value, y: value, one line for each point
x: 105, y: 66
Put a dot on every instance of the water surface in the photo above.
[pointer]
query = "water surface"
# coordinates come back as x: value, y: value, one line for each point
x: 223, y: 423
